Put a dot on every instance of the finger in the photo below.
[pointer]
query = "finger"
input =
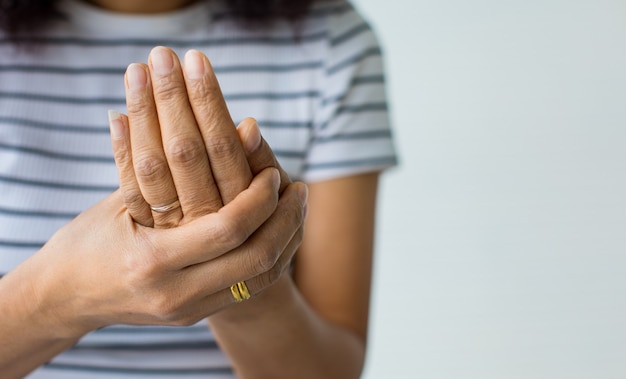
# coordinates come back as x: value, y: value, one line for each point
x: 263, y: 254
x: 214, y: 234
x: 150, y: 164
x: 258, y: 152
x: 191, y: 303
x: 200, y: 295
x: 259, y: 283
x: 182, y: 140
x: 200, y: 291
x: 131, y: 193
x: 226, y: 156
x: 191, y: 306
x: 201, y: 300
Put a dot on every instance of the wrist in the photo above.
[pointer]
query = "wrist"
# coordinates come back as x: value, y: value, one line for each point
x: 44, y: 300
x: 32, y: 336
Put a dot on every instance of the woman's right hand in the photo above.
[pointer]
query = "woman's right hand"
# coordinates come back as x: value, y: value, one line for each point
x: 103, y: 268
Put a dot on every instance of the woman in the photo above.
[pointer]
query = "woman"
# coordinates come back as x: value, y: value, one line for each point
x: 201, y: 227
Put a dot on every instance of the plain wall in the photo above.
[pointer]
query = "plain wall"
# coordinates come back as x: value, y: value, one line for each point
x: 501, y: 245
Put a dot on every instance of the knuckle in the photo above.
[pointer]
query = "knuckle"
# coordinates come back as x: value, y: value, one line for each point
x: 122, y: 157
x: 229, y: 234
x: 166, y: 90
x: 206, y: 93
x: 151, y: 169
x: 185, y: 150
x: 265, y: 260
x: 171, y: 310
x: 163, y: 307
x: 141, y: 271
x: 223, y: 146
x: 201, y: 90
x: 274, y: 273
x: 132, y: 197
x: 137, y: 105
x: 266, y: 271
x: 150, y: 267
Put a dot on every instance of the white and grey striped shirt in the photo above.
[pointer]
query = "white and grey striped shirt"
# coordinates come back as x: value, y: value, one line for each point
x: 317, y: 90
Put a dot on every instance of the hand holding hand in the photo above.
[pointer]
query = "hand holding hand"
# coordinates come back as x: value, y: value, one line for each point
x: 179, y: 145
x: 102, y: 268
x: 110, y: 266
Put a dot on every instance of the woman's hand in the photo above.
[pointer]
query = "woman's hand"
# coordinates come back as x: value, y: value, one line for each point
x: 115, y: 271
x: 184, y: 144
x: 180, y: 156
x: 179, y: 141
x: 119, y: 262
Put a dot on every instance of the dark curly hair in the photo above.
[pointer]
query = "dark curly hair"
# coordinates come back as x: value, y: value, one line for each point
x: 28, y: 15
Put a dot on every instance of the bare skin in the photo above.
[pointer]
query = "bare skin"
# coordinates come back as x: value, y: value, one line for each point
x: 237, y: 222
x: 104, y: 268
x: 322, y: 333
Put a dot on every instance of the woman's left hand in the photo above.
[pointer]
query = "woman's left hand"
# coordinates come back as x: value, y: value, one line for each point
x: 179, y: 146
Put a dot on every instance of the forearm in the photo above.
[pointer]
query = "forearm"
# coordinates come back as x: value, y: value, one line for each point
x: 21, y: 353
x: 28, y: 336
x: 277, y: 335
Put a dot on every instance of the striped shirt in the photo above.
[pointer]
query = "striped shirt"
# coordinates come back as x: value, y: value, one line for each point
x: 316, y: 89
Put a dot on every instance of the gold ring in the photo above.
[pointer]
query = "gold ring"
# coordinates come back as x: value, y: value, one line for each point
x: 240, y: 291
x: 166, y: 208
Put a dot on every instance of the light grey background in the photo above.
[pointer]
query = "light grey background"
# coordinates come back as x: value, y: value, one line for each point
x: 501, y: 249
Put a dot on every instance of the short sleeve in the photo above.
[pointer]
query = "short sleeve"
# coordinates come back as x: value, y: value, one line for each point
x: 352, y: 132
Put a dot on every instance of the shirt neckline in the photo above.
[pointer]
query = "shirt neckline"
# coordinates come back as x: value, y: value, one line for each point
x: 93, y: 20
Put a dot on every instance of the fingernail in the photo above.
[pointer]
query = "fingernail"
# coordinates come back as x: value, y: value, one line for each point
x: 161, y: 61
x: 136, y: 76
x: 113, y: 115
x: 116, y: 125
x: 254, y: 137
x: 194, y: 65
